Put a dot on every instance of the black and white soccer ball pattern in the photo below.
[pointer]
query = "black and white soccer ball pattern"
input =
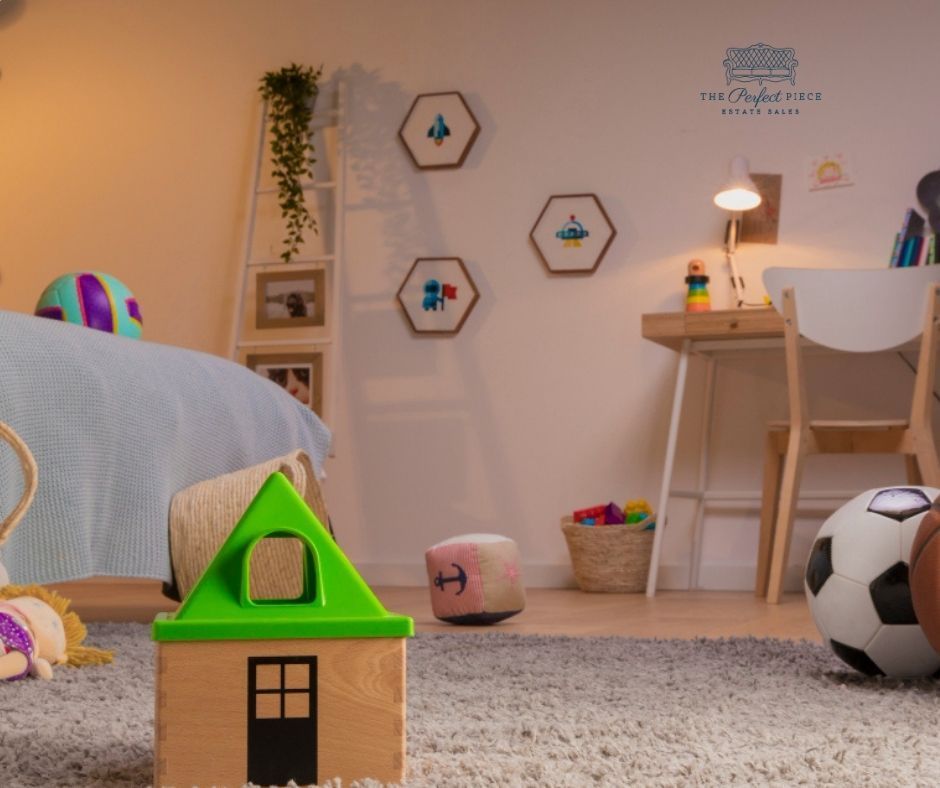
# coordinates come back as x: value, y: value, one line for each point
x: 857, y: 583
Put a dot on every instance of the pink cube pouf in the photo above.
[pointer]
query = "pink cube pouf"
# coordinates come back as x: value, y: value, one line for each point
x: 475, y: 579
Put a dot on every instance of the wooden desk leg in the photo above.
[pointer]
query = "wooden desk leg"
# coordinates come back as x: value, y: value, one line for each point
x: 677, y: 396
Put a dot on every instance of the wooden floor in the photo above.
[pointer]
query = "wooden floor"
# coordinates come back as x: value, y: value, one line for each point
x: 672, y: 614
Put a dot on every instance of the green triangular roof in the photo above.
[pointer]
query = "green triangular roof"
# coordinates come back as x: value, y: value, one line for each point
x: 336, y: 602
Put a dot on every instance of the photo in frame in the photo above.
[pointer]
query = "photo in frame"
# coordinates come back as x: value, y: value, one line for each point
x: 439, y: 130
x: 572, y: 234
x: 288, y: 302
x: 300, y: 372
x: 437, y: 295
x: 290, y: 299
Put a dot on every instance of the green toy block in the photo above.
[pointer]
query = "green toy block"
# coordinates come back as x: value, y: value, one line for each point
x: 335, y: 602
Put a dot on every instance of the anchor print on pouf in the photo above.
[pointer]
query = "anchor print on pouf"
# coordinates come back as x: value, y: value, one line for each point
x: 461, y: 577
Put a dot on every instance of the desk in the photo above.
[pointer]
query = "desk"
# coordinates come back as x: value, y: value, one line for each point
x: 705, y: 333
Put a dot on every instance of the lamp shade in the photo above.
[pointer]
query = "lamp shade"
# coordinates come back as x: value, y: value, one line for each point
x: 739, y: 193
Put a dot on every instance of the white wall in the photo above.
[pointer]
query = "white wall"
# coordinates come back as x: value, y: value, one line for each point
x: 127, y: 132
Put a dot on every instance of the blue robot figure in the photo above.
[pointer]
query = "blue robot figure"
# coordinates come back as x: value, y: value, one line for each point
x: 436, y: 293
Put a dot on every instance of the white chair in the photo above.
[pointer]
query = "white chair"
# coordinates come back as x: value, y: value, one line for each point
x: 855, y: 311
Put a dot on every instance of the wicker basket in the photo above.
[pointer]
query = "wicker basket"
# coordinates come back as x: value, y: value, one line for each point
x: 202, y: 516
x: 608, y: 558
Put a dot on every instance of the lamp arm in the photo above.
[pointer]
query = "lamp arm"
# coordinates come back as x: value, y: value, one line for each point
x: 731, y: 246
x: 736, y: 280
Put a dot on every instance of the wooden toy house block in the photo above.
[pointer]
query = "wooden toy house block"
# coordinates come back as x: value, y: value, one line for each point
x: 269, y: 691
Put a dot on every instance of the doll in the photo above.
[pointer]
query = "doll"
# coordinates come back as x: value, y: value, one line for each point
x: 37, y: 631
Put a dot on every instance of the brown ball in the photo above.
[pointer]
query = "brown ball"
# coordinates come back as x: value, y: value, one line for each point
x: 925, y: 575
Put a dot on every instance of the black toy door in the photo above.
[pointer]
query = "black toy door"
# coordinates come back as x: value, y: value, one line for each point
x: 282, y: 720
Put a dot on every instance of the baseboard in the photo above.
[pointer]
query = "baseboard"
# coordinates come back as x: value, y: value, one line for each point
x: 724, y: 577
x: 712, y: 577
x: 535, y: 575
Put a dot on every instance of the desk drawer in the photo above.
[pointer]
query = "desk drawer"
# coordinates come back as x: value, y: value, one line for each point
x: 732, y: 323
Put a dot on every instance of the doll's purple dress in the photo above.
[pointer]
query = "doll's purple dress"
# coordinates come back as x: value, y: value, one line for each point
x: 15, y: 637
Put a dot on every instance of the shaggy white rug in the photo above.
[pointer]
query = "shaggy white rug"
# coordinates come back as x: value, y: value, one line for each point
x: 504, y: 710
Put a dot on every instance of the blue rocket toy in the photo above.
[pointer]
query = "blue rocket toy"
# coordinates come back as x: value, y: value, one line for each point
x: 438, y: 130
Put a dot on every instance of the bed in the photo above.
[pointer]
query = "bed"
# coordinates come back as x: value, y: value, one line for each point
x: 117, y: 427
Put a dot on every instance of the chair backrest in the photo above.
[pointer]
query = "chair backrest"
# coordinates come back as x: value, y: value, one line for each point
x: 856, y: 310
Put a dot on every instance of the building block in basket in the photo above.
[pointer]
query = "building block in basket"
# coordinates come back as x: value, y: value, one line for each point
x: 637, y: 505
x: 613, y: 515
x: 593, y: 511
x: 475, y: 579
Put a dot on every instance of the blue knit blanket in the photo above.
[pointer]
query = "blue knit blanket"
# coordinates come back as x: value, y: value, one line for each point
x: 117, y: 427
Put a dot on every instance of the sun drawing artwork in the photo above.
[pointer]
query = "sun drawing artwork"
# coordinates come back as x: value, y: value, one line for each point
x: 829, y: 172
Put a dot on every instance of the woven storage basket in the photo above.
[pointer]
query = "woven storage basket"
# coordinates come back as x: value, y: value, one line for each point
x: 202, y: 516
x: 609, y: 558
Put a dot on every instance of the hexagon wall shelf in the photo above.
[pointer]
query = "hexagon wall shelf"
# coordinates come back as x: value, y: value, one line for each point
x: 573, y: 233
x: 438, y: 295
x: 439, y: 130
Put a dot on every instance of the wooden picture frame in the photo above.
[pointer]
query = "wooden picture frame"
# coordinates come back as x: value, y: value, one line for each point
x: 261, y: 324
x: 439, y: 130
x: 572, y: 234
x: 298, y: 370
x: 277, y: 292
x: 437, y: 295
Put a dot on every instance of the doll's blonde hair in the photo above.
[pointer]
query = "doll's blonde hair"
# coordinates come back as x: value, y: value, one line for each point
x: 75, y: 631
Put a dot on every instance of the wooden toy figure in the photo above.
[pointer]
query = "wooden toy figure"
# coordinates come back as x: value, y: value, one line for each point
x: 272, y: 690
x: 697, y: 299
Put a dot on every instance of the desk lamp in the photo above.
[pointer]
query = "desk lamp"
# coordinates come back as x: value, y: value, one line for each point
x: 738, y: 194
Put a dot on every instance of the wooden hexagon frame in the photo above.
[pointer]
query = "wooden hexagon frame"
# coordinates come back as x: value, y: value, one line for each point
x: 572, y: 233
x: 467, y: 307
x: 427, y: 107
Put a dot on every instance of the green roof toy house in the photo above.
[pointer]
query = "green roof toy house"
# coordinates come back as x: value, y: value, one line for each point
x: 270, y: 691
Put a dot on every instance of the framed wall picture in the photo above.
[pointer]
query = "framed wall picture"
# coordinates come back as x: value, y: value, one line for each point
x: 437, y: 295
x: 290, y: 299
x: 297, y: 370
x: 439, y: 130
x: 573, y: 233
x: 760, y: 225
x: 288, y: 302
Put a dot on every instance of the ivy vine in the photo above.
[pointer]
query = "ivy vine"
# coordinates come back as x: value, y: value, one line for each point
x: 290, y: 93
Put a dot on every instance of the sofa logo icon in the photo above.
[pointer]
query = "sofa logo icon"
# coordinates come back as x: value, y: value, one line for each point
x: 760, y: 63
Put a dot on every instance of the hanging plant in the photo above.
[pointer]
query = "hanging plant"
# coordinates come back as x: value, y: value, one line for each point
x: 290, y: 93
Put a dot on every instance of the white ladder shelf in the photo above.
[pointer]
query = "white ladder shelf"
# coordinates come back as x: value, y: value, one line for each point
x: 331, y: 261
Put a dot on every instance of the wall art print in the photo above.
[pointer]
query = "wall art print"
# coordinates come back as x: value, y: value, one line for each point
x: 437, y: 295
x: 829, y: 172
x: 573, y: 233
x: 439, y: 130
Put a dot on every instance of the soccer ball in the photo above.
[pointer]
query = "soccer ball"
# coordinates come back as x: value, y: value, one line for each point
x: 857, y: 583
x: 94, y: 300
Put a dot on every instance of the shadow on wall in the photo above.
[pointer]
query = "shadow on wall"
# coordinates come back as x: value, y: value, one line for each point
x: 416, y: 444
x: 378, y: 164
x: 10, y: 12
